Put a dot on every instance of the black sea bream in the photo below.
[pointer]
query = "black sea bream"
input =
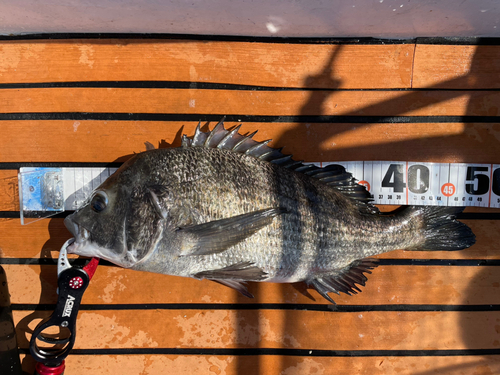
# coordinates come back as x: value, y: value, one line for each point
x: 226, y: 208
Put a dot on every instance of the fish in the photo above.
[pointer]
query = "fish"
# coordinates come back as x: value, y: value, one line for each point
x: 227, y: 208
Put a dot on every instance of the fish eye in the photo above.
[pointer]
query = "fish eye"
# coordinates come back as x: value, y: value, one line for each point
x: 99, y: 201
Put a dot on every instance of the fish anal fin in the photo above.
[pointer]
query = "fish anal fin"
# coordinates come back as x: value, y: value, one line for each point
x: 238, y: 272
x: 217, y: 236
x: 344, y: 280
x: 236, y: 285
x: 323, y: 289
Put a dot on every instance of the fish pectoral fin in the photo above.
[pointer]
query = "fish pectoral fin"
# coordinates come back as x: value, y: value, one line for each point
x: 234, y: 276
x: 344, y: 280
x: 236, y: 285
x: 219, y: 235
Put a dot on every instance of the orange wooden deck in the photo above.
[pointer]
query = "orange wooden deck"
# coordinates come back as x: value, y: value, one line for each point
x: 80, y: 101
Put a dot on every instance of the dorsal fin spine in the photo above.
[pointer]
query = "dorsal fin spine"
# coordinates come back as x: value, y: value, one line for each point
x: 333, y: 175
x: 230, y: 136
x: 216, y: 135
x: 199, y: 136
x: 254, y: 150
x: 282, y: 160
x: 186, y: 142
x: 246, y: 137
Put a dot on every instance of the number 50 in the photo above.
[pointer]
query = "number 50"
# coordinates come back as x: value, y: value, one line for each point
x: 481, y: 182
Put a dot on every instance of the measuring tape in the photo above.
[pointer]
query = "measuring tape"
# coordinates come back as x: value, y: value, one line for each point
x: 435, y: 184
x: 44, y: 192
x: 47, y: 191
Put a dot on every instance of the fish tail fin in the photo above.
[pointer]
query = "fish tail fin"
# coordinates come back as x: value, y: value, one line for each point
x: 441, y: 230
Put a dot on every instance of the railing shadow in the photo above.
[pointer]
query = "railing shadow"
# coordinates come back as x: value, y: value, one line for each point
x: 406, y: 150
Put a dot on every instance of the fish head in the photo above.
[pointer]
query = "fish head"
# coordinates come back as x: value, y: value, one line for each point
x: 118, y: 223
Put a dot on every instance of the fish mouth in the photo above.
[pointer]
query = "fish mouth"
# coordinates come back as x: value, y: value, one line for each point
x: 81, y: 245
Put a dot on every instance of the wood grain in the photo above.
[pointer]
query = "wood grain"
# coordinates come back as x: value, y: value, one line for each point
x: 249, y: 102
x: 274, y: 365
x: 456, y: 67
x: 387, y: 285
x: 107, y: 141
x: 265, y: 64
x: 309, y: 330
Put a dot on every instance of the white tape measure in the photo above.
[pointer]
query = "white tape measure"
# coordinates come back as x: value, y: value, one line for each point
x: 436, y: 184
x: 46, y: 191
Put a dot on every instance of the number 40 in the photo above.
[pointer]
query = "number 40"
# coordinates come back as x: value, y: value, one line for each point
x: 418, y: 178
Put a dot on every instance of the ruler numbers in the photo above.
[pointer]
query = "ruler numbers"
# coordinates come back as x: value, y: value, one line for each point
x: 472, y: 183
x: 388, y: 181
x: 495, y: 186
x: 436, y: 184
x: 427, y: 184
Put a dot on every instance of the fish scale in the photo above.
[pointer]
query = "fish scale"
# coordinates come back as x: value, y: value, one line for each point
x: 227, y: 208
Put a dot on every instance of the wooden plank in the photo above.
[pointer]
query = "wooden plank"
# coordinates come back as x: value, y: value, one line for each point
x: 274, y: 365
x: 266, y: 64
x: 387, y: 330
x: 248, y: 102
x: 388, y: 285
x: 457, y: 67
x: 9, y: 191
x: 106, y: 141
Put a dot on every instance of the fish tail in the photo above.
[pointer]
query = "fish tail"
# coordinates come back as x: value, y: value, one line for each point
x: 440, y: 229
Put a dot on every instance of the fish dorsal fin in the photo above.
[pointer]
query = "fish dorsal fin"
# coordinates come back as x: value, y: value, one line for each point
x: 149, y: 146
x: 345, y: 280
x: 334, y: 175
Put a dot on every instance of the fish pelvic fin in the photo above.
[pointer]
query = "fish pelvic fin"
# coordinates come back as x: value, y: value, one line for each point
x: 333, y: 175
x: 239, y: 272
x: 236, y: 285
x: 440, y: 229
x: 217, y: 236
x: 344, y: 280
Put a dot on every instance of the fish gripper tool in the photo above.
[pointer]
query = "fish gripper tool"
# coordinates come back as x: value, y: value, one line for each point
x: 54, y: 337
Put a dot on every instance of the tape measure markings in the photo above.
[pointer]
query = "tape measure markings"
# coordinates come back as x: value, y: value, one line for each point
x: 425, y: 183
x: 390, y: 182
